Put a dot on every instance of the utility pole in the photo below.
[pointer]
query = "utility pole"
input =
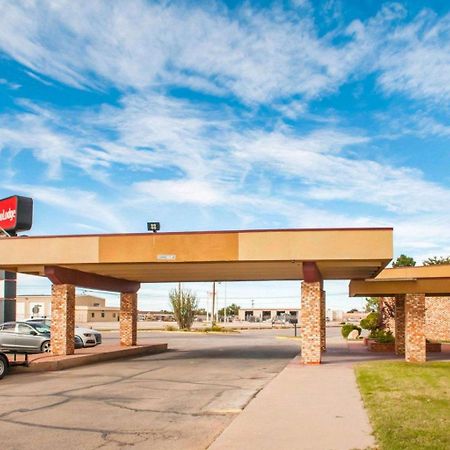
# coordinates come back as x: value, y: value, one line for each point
x: 225, y: 286
x: 213, y: 317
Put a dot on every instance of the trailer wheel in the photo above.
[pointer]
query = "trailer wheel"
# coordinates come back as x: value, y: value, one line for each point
x: 3, y: 366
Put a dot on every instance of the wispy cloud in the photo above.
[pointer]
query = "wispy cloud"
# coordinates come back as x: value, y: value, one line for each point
x: 9, y: 84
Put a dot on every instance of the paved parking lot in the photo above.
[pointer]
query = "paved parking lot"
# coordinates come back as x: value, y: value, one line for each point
x: 178, y: 400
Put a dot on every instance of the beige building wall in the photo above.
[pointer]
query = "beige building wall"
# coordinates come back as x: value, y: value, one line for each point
x: 88, y: 308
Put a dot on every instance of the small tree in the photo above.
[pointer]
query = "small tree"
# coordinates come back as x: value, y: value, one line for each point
x: 184, y: 304
x: 404, y: 261
x: 232, y: 310
x: 371, y: 322
x: 436, y: 260
x: 372, y: 304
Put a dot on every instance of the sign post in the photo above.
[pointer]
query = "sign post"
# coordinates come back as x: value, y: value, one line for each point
x: 16, y: 214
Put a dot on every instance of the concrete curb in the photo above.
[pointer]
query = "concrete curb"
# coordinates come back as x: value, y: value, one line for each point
x: 67, y: 362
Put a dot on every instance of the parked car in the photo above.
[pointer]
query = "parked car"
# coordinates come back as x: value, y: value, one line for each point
x: 28, y: 337
x: 24, y: 337
x: 89, y: 337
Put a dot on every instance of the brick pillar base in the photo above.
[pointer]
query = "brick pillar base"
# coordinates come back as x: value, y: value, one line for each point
x: 63, y: 319
x: 399, y: 324
x: 415, y: 344
x: 311, y: 323
x: 128, y: 319
x: 323, y: 321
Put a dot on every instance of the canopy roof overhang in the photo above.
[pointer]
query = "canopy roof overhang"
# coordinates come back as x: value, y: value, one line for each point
x: 430, y: 280
x: 245, y: 255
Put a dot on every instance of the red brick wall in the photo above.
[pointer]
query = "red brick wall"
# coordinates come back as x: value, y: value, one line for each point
x: 437, y: 318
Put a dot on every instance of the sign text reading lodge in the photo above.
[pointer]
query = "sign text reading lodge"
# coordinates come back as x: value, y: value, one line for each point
x: 16, y: 214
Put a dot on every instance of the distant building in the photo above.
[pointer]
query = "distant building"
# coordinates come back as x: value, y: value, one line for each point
x: 335, y: 315
x: 354, y: 317
x: 263, y: 314
x: 88, y: 308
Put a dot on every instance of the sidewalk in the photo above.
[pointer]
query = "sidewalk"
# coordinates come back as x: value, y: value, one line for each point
x: 302, y: 408
x: 310, y: 407
x: 305, y: 408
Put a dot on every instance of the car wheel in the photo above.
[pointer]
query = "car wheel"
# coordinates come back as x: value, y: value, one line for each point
x: 45, y: 347
x: 3, y: 366
x: 82, y: 342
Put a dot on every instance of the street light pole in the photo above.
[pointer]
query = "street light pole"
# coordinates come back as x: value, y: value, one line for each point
x: 225, y: 287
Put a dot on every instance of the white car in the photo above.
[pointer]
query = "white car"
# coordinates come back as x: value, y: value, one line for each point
x: 89, y: 337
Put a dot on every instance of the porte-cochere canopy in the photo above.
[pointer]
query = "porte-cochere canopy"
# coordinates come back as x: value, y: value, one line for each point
x: 120, y: 262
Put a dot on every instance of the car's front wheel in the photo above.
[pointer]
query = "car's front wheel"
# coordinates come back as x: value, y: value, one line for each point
x: 3, y: 366
x: 45, y: 347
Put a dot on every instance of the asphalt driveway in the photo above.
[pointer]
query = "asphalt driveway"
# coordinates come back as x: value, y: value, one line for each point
x: 182, y: 399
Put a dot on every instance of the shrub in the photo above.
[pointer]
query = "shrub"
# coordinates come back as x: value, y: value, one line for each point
x: 171, y: 328
x: 370, y: 322
x: 184, y: 305
x: 348, y: 328
x: 382, y: 336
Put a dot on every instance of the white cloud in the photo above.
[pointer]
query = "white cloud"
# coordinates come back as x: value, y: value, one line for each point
x: 416, y: 58
x: 255, y: 54
x: 182, y: 191
x: 79, y: 203
x: 9, y: 84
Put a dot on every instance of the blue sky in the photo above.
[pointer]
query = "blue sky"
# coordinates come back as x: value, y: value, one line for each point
x: 214, y: 115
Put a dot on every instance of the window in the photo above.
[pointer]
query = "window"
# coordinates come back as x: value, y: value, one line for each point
x: 96, y: 304
x: 8, y: 327
x: 92, y: 315
x: 22, y: 328
x: 114, y: 315
x: 103, y: 313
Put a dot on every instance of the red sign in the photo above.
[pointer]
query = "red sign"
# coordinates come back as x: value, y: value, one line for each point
x: 16, y: 214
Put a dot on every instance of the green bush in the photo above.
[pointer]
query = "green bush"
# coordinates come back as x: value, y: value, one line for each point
x: 184, y: 304
x: 382, y: 336
x: 370, y: 322
x: 348, y: 328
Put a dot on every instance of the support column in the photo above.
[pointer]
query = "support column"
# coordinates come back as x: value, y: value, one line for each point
x: 311, y: 323
x: 323, y: 321
x: 7, y: 296
x: 415, y: 344
x: 128, y: 319
x: 400, y: 324
x: 63, y: 319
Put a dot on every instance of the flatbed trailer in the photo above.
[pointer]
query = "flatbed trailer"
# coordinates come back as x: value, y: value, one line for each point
x: 6, y: 363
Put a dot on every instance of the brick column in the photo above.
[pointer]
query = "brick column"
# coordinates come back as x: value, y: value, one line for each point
x: 311, y: 305
x: 63, y: 319
x: 415, y: 344
x: 128, y: 318
x: 399, y: 324
x: 323, y: 321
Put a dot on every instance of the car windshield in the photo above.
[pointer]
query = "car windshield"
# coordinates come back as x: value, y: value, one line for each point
x: 42, y: 328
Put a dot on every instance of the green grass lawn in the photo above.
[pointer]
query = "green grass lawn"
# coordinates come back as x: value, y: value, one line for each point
x: 408, y: 404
